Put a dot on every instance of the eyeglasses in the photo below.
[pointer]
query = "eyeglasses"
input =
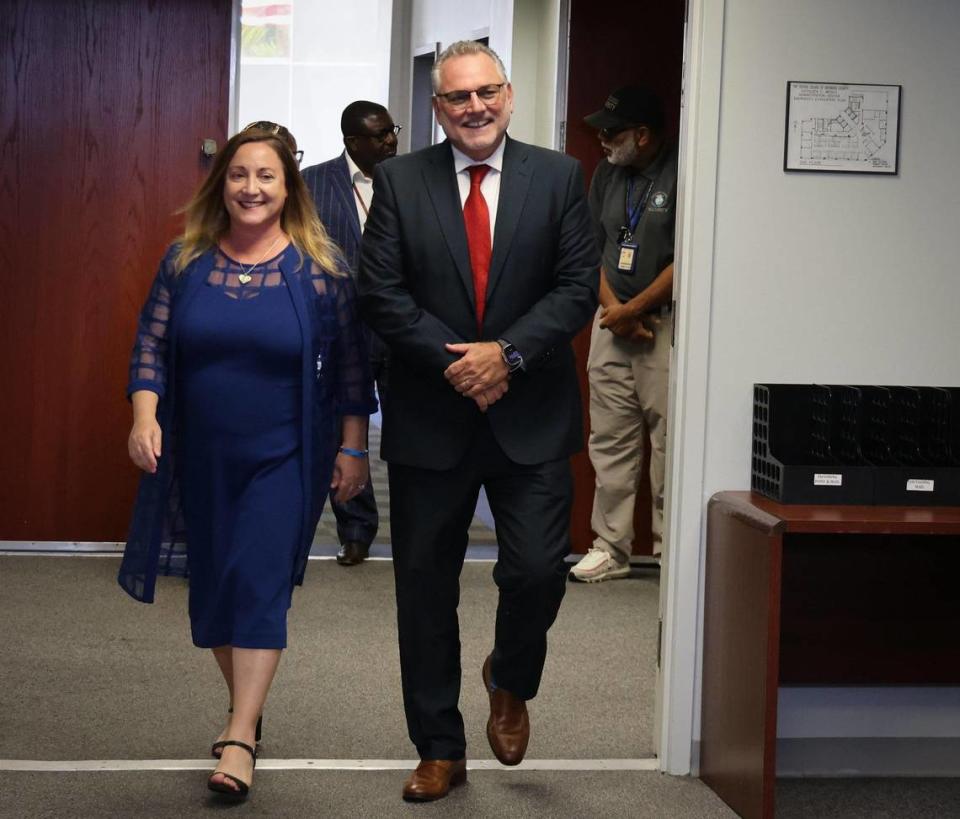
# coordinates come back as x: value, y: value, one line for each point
x: 607, y: 134
x: 380, y: 136
x: 458, y: 100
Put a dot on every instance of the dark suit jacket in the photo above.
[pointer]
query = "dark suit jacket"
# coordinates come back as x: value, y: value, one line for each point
x: 416, y: 291
x: 330, y: 187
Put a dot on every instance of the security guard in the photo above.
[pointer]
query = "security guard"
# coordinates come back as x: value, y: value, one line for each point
x: 633, y: 206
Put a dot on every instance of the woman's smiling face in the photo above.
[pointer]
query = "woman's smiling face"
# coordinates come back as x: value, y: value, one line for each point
x: 255, y: 188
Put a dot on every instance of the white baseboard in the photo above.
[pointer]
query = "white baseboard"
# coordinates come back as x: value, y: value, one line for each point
x: 40, y: 546
x: 862, y: 757
x: 868, y: 756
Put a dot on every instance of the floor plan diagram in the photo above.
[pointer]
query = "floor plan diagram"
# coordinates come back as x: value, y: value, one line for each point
x: 831, y: 126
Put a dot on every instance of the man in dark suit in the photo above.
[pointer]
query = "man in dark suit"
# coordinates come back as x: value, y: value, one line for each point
x: 478, y: 266
x: 342, y: 190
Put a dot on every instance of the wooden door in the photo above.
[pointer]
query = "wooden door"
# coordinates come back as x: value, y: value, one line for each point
x: 103, y: 106
x: 615, y: 43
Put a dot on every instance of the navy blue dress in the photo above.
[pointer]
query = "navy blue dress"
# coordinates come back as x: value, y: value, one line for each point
x: 239, y: 455
x: 252, y: 383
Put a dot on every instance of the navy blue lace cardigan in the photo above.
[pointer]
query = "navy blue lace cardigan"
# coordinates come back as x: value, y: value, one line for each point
x: 336, y: 382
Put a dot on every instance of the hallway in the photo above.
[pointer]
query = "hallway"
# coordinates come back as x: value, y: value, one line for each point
x: 88, y: 675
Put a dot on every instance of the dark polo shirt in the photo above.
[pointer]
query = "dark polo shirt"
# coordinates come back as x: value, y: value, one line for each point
x: 655, y: 232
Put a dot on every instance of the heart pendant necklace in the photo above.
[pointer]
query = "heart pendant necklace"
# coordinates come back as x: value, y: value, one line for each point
x: 244, y: 276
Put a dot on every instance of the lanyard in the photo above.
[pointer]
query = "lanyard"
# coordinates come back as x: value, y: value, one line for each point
x: 363, y: 204
x: 636, y: 211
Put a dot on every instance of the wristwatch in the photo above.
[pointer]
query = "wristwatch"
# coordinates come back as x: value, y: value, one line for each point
x: 511, y: 355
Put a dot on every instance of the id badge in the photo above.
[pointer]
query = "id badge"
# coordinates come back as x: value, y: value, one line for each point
x: 628, y: 257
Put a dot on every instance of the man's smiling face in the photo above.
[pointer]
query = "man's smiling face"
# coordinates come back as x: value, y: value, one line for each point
x: 478, y: 128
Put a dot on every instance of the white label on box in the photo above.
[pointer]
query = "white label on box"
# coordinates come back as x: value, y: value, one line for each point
x: 918, y: 485
x: 826, y: 479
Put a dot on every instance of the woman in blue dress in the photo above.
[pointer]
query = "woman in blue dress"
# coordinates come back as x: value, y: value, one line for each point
x: 250, y: 390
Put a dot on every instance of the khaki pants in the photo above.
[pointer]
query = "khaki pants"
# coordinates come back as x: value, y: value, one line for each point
x: 628, y: 398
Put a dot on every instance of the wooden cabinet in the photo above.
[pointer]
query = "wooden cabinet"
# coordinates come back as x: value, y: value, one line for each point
x: 815, y: 595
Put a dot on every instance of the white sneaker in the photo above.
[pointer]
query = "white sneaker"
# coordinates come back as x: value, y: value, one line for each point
x: 597, y: 565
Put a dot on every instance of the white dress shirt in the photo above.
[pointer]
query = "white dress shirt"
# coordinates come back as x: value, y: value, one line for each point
x: 489, y: 187
x: 362, y: 190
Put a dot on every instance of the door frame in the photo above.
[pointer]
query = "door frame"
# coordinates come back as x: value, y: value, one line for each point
x: 233, y: 112
x: 677, y: 689
x: 677, y: 725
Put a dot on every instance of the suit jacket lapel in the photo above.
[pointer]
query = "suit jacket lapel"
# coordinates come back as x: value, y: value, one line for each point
x: 343, y: 185
x: 441, y: 184
x: 514, y: 185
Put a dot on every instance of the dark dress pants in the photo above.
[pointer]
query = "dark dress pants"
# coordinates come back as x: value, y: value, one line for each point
x: 358, y: 518
x: 430, y: 512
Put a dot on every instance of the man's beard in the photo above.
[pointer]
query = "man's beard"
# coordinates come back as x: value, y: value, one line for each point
x: 625, y: 153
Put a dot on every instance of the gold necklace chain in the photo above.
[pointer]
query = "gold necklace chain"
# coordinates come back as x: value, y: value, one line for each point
x: 244, y: 276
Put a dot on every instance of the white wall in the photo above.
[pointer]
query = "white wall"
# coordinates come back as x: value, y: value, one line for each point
x: 446, y: 21
x: 401, y: 69
x: 831, y: 278
x: 340, y: 52
x: 536, y: 34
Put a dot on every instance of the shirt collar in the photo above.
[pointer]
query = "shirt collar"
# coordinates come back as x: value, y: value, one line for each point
x: 461, y: 161
x: 356, y: 175
x: 653, y: 170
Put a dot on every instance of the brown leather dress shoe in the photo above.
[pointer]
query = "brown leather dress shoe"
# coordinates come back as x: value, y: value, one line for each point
x: 508, y: 728
x: 352, y: 552
x: 433, y: 779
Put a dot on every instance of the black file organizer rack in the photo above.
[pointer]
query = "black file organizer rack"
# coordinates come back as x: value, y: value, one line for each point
x: 846, y: 444
x: 805, y: 446
x: 910, y: 435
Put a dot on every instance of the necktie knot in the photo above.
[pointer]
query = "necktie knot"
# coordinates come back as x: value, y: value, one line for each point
x: 477, y: 173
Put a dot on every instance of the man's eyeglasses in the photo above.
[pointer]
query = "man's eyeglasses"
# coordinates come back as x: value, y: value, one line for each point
x: 280, y: 131
x: 458, y: 100
x: 380, y: 136
x: 607, y: 134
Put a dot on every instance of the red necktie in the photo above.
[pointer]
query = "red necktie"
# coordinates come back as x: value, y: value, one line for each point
x: 476, y: 218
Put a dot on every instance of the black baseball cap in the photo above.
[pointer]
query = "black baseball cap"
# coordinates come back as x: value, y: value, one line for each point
x: 629, y: 105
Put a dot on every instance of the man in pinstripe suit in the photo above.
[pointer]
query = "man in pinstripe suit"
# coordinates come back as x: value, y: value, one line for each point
x: 342, y: 191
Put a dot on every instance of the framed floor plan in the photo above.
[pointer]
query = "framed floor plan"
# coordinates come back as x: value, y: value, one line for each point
x: 842, y: 127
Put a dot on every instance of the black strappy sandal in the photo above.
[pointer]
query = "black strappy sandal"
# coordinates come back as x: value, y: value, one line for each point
x: 240, y: 792
x: 217, y: 748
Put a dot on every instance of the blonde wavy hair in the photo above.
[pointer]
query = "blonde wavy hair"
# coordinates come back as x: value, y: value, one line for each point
x: 207, y: 220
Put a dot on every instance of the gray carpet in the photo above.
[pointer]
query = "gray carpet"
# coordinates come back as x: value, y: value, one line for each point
x: 87, y: 673
x: 868, y: 798
x: 376, y: 794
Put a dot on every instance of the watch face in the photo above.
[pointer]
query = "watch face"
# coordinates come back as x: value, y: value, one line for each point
x: 511, y: 355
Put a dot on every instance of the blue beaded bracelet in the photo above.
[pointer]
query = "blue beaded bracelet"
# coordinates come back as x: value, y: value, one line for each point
x: 356, y: 453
